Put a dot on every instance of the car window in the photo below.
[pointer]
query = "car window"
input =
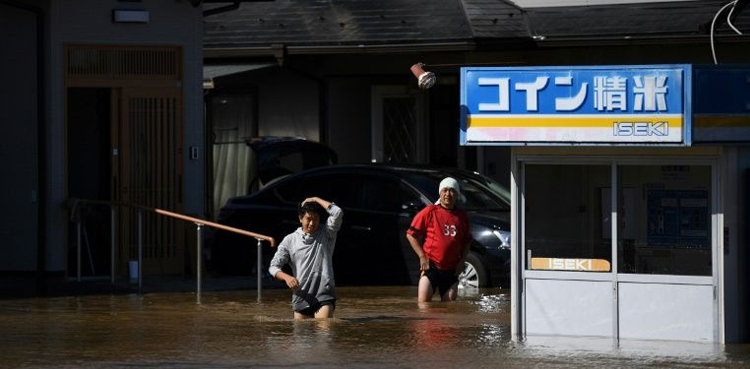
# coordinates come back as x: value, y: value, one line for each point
x: 289, y: 190
x: 427, y: 183
x: 478, y: 195
x: 335, y: 187
x: 350, y: 190
x: 407, y: 194
x: 338, y: 188
x: 499, y: 190
x: 387, y: 194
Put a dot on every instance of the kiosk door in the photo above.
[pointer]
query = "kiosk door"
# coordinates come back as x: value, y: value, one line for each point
x: 641, y: 269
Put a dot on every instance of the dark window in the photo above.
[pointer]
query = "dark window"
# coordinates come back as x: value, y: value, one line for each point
x: 564, y: 217
x: 663, y: 213
x: 336, y: 187
x: 665, y: 219
x: 290, y: 190
x: 386, y: 194
x: 427, y: 183
x: 477, y: 195
x: 399, y: 127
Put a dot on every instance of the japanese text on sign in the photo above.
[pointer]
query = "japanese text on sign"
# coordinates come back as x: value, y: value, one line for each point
x: 574, y: 105
x: 610, y: 93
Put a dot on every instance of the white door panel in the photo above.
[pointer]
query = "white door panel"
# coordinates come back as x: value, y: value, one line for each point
x: 666, y: 312
x: 558, y: 307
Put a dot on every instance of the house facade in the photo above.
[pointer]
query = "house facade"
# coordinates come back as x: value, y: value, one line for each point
x: 104, y: 104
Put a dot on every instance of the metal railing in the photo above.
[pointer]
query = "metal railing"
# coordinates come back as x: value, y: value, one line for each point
x: 75, y: 205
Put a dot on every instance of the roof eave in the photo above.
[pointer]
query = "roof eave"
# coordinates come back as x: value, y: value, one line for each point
x: 623, y: 40
x: 271, y: 50
x: 467, y: 46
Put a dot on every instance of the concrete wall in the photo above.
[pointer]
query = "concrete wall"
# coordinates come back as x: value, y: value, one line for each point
x: 19, y: 150
x: 349, y: 128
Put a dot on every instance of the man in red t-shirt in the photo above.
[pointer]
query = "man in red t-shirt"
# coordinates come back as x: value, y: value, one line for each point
x: 440, y: 236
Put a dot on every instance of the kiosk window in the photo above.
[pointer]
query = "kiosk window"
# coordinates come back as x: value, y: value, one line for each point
x: 564, y: 221
x: 665, y: 220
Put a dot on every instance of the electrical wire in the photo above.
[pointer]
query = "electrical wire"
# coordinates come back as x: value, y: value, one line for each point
x: 729, y: 18
x: 713, y: 50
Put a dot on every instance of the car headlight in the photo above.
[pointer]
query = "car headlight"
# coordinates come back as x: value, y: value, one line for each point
x: 504, y: 237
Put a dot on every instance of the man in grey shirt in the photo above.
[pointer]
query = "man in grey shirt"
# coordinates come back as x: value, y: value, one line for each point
x: 309, y: 251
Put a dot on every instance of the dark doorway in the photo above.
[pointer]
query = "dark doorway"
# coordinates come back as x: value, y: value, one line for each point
x: 89, y: 172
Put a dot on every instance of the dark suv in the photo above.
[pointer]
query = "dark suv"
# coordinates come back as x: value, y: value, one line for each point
x: 379, y: 203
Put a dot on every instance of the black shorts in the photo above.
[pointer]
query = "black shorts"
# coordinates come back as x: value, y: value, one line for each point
x: 310, y: 311
x: 441, y: 280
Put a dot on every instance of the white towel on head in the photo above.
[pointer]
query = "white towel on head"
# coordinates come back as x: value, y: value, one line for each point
x: 450, y: 182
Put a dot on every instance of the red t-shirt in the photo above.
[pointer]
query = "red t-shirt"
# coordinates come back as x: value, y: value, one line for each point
x: 445, y: 234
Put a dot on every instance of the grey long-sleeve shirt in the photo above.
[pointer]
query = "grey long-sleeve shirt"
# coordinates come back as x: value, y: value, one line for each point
x: 310, y: 256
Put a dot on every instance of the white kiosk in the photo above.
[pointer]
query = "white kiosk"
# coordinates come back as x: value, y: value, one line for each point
x: 627, y: 187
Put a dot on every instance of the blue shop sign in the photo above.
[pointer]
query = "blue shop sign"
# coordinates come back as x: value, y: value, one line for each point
x: 593, y: 105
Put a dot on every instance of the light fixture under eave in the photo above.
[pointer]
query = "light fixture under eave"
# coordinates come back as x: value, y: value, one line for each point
x: 425, y: 79
x: 130, y: 16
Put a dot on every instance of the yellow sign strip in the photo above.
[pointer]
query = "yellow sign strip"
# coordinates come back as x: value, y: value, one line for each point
x: 579, y: 265
x: 564, y: 122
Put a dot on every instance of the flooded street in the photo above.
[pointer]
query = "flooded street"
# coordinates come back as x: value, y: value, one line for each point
x: 375, y: 327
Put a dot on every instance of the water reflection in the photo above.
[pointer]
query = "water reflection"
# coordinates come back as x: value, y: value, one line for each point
x: 375, y: 327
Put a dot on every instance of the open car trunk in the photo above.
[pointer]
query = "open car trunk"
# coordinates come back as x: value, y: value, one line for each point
x: 278, y: 157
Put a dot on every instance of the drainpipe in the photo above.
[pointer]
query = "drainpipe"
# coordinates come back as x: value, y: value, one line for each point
x: 41, y: 264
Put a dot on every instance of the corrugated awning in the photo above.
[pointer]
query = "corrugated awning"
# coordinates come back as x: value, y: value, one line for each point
x: 214, y: 71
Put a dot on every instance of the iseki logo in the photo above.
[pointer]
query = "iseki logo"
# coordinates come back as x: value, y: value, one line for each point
x: 641, y: 128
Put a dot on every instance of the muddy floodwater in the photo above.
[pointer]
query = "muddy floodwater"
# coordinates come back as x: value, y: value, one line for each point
x: 374, y: 327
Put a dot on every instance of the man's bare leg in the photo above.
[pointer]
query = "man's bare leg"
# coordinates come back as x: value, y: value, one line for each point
x: 451, y: 294
x: 424, y: 293
x: 325, y: 311
x: 298, y: 316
